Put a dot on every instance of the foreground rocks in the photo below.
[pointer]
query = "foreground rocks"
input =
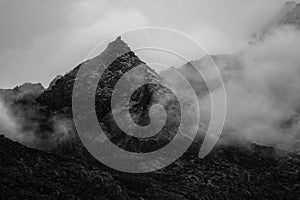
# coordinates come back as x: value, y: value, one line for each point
x: 232, y: 172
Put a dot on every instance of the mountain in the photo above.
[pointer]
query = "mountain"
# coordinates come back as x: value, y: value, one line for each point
x: 58, y: 97
x: 233, y: 68
x: 49, y: 112
x: 59, y: 167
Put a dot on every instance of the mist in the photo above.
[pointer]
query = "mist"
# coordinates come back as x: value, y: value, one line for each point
x: 8, y: 125
x: 23, y: 124
x: 263, y: 96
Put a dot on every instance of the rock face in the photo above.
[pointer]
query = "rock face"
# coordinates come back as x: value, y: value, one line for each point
x: 227, y: 173
x: 119, y: 60
x: 49, y: 112
x: 59, y: 94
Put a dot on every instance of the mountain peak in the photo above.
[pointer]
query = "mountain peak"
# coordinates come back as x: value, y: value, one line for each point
x: 117, y: 46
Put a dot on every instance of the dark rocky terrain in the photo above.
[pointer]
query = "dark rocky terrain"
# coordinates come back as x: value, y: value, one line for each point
x: 227, y: 173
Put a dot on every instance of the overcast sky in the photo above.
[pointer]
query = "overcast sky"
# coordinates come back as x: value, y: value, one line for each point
x: 43, y: 38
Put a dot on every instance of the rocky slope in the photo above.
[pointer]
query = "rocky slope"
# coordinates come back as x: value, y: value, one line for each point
x: 51, y: 106
x: 227, y: 173
x: 57, y: 99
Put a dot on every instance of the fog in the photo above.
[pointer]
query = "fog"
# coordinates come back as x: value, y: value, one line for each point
x: 23, y: 124
x: 263, y: 98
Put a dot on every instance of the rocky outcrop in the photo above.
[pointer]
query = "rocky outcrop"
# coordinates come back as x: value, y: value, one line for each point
x: 119, y: 59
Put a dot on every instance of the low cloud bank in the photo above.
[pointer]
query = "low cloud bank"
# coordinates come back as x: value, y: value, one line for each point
x: 263, y: 98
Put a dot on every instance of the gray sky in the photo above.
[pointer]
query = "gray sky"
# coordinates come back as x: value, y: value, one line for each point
x: 43, y: 38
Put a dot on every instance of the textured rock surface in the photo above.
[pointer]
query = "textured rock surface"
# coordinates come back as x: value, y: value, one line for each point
x: 119, y: 59
x: 227, y: 173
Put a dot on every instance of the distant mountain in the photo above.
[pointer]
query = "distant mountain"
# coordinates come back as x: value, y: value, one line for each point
x: 289, y: 14
x: 27, y: 90
x: 229, y: 65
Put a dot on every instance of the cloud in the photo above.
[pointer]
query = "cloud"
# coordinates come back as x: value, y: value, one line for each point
x: 220, y: 26
x: 58, y: 49
x: 40, y: 39
x: 7, y: 123
x: 263, y: 100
